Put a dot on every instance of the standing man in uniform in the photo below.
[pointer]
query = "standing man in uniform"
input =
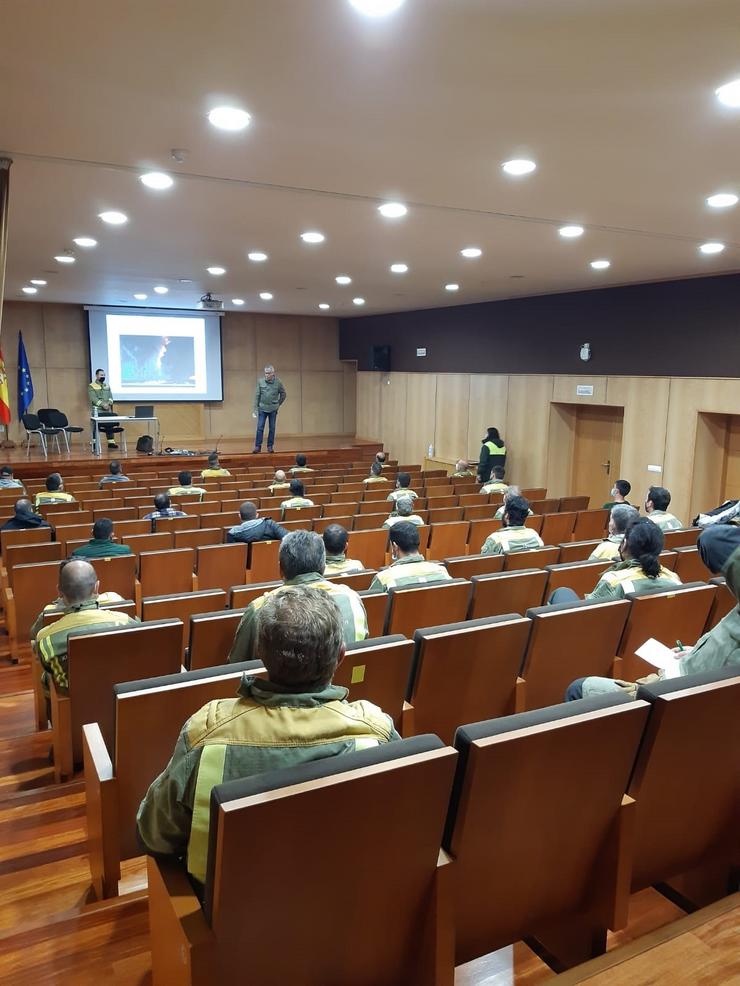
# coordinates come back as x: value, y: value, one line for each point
x: 101, y: 401
x: 268, y: 397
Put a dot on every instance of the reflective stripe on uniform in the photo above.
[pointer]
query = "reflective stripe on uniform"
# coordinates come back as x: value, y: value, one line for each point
x: 210, y: 773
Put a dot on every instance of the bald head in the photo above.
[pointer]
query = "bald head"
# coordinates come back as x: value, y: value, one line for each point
x: 78, y: 582
x: 280, y: 476
x: 23, y: 506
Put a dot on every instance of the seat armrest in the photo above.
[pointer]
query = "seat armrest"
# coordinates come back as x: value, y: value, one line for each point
x: 101, y: 796
x: 183, y: 945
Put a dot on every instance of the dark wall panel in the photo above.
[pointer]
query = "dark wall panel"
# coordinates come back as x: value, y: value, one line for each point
x: 673, y: 328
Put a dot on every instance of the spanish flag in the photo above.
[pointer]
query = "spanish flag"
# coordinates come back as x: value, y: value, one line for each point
x: 4, y: 398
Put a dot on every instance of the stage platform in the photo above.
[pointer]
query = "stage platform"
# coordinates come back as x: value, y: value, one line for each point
x: 232, y: 452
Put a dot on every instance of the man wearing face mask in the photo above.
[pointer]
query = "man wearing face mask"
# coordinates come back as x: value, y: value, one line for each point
x: 101, y: 401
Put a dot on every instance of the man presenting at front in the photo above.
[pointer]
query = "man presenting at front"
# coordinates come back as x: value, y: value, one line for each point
x: 268, y: 397
x: 101, y: 401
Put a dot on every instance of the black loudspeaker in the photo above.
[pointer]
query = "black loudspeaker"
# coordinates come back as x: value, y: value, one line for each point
x: 380, y: 359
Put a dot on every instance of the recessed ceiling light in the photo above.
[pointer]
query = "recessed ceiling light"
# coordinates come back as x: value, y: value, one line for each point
x: 722, y: 200
x: 471, y: 252
x: 113, y: 218
x: 392, y: 210
x: 323, y: 306
x: 601, y: 264
x: 358, y: 301
x: 265, y: 295
x: 229, y: 118
x: 729, y: 93
x: 343, y: 279
x: 216, y: 271
x: 184, y: 280
x: 452, y: 287
x: 29, y: 290
x: 156, y: 179
x: 64, y: 258
x: 37, y: 280
x: 141, y: 297
x: 160, y: 289
x: 257, y: 256
x: 712, y: 247
x: 237, y: 301
x: 85, y: 241
x: 399, y: 268
x: 518, y: 167
x: 570, y: 232
x: 313, y: 236
x: 376, y: 8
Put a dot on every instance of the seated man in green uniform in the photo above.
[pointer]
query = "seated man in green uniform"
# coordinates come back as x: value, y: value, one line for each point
x: 404, y: 511
x: 619, y: 493
x: 214, y: 469
x: 100, y: 399
x: 514, y: 536
x: 185, y: 487
x: 302, y: 561
x: 657, y: 501
x: 403, y: 488
x: 376, y: 475
x: 293, y: 717
x: 409, y: 567
x: 300, y: 465
x: 101, y: 544
x: 297, y: 498
x: 54, y: 492
x: 335, y: 542
x: 719, y: 548
x: 509, y: 495
x: 463, y: 470
x: 280, y: 482
x: 78, y: 589
x: 620, y: 517
x: 496, y: 483
x: 104, y: 599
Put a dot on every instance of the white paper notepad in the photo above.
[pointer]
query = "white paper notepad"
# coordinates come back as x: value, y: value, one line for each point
x: 661, y: 657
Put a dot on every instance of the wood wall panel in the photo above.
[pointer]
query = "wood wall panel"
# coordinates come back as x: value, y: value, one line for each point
x: 489, y: 398
x: 368, y: 406
x: 239, y: 344
x: 290, y: 416
x: 393, y: 410
x: 528, y: 419
x: 278, y: 342
x: 65, y: 337
x: 322, y: 402
x: 451, y: 421
x: 319, y: 344
x: 421, y: 389
x: 561, y: 443
x: 349, y: 386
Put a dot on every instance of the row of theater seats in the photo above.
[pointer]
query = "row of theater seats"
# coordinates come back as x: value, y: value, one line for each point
x: 415, y: 856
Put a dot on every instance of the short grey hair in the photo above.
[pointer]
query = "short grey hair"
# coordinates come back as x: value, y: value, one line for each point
x: 279, y: 476
x: 623, y: 515
x: 77, y: 581
x: 404, y: 506
x: 461, y: 464
x: 302, y: 552
x: 299, y: 636
x: 269, y: 368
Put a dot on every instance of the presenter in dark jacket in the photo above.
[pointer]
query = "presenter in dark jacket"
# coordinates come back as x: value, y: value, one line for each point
x: 254, y: 528
x: 268, y: 397
x: 493, y: 453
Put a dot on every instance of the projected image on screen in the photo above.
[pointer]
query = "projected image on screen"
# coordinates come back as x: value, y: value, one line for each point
x: 152, y: 360
x: 152, y: 356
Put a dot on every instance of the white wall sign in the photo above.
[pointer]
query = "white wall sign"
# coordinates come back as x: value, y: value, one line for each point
x: 421, y: 352
x: 584, y: 390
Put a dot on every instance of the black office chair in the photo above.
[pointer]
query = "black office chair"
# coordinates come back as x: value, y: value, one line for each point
x: 52, y: 417
x: 34, y: 426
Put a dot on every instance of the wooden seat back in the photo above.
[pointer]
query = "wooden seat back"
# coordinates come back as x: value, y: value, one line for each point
x: 534, y: 493
x: 479, y: 531
x: 689, y: 566
x: 322, y: 523
x: 34, y: 586
x: 686, y: 780
x: 568, y: 831
x: 443, y: 515
x: 568, y: 641
x: 590, y: 524
x: 27, y: 554
x: 724, y: 602
x: 126, y: 527
x: 480, y: 512
x: 558, y: 527
x: 187, y: 523
x: 485, y: 654
x: 448, y: 539
x: 580, y: 576
x: 466, y: 566
x: 195, y: 537
x: 263, y: 561
x: 166, y: 571
x: 678, y: 614
x: 376, y: 607
x: 544, y: 506
x: 34, y: 535
x: 369, y: 547
x: 358, y: 580
x: 148, y: 542
x: 116, y: 574
x: 680, y: 539
x: 571, y: 551
x: 506, y: 592
x: 578, y: 503
x: 210, y: 638
x: 368, y: 522
x: 240, y: 596
x: 534, y: 558
x: 304, y: 514
x: 412, y: 606
x: 377, y: 671
x: 221, y: 566
x: 75, y: 517
x: 127, y: 606
x: 181, y: 606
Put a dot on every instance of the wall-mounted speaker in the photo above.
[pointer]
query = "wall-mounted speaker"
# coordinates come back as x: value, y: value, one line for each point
x: 380, y: 359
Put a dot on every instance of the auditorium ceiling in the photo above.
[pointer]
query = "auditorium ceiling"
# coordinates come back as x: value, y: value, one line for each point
x: 614, y: 102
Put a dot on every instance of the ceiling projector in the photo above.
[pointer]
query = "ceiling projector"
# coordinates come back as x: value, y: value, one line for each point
x: 210, y: 304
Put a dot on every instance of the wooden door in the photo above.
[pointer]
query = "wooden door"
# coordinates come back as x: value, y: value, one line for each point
x: 731, y: 471
x: 597, y: 452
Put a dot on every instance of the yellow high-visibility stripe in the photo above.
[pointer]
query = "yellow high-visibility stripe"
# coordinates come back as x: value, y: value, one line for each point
x: 210, y: 773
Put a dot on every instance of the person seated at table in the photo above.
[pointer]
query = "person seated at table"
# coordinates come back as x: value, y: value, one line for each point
x: 280, y: 482
x: 376, y: 475
x: 162, y: 508
x: 253, y: 527
x: 54, y: 492
x: 300, y: 465
x: 409, y: 566
x: 403, y: 488
x: 496, y: 484
x: 186, y: 488
x: 513, y: 536
x: 115, y: 475
x: 8, y: 481
x: 214, y: 469
x: 719, y: 648
x: 336, y: 538
x: 657, y: 501
x: 297, y: 498
x: 404, y: 511
x: 24, y: 518
x: 621, y: 515
x: 101, y: 544
x: 292, y: 717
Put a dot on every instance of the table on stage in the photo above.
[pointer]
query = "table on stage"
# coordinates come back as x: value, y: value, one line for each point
x: 114, y: 419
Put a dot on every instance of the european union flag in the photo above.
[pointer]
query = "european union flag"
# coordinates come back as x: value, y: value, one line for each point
x: 25, y: 383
